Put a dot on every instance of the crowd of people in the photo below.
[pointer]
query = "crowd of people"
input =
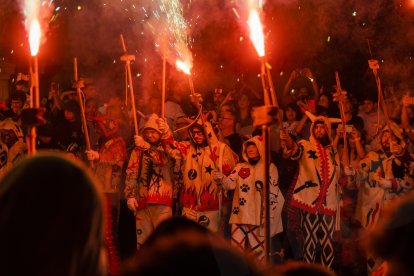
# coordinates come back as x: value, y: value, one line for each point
x: 189, y: 184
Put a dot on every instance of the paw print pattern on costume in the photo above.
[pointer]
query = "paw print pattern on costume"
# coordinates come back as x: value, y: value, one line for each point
x: 244, y: 188
x: 236, y: 210
x: 242, y: 201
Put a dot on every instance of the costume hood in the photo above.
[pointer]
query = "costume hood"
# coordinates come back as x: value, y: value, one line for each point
x: 326, y: 121
x: 207, y: 130
x: 396, y: 131
x: 258, y: 141
x: 152, y: 123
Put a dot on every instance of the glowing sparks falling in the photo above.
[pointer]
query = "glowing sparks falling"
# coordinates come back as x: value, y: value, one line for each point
x: 170, y: 33
x: 256, y: 32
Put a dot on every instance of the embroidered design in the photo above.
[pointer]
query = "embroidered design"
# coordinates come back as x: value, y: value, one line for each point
x: 192, y: 174
x: 312, y: 154
x: 209, y: 169
x: 244, y: 173
x: 204, y: 221
x: 196, y: 155
x: 244, y: 188
x: 242, y: 201
x: 308, y: 184
x: 259, y: 185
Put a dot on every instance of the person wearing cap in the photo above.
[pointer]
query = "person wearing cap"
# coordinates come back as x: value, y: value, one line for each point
x: 200, y: 194
x: 108, y: 162
x: 149, y: 183
x: 316, y: 189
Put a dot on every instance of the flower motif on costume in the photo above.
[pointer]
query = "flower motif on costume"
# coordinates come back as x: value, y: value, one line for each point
x: 244, y: 173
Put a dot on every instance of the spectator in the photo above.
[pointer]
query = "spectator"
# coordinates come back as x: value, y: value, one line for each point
x: 182, y: 248
x: 51, y: 219
x: 393, y: 239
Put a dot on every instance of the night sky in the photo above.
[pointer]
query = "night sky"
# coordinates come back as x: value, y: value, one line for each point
x: 324, y: 35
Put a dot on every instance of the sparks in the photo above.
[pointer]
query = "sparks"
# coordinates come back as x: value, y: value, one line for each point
x: 256, y: 32
x: 34, y: 37
x: 186, y: 68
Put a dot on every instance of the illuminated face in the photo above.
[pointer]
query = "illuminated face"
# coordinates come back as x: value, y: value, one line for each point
x: 368, y: 106
x: 198, y: 136
x: 70, y: 116
x: 252, y: 152
x: 226, y: 120
x: 290, y: 114
x: 91, y: 108
x: 319, y: 131
x: 151, y: 135
x: 323, y: 101
x: 16, y: 106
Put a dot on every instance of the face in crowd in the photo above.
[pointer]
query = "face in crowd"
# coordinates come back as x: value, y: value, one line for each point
x: 198, y: 136
x: 252, y: 152
x: 319, y: 131
x: 368, y: 106
x: 91, y: 108
x: 151, y: 136
x: 227, y: 120
x: 16, y: 105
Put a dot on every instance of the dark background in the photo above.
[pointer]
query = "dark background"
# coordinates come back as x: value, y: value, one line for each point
x: 324, y: 35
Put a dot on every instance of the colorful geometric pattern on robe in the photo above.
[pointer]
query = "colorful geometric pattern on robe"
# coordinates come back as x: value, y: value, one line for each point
x: 318, y: 233
x: 319, y: 172
x: 372, y: 198
x: 149, y: 177
x: 248, y: 237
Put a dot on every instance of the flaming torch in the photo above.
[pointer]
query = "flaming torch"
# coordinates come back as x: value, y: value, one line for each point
x: 261, y: 115
x: 257, y: 38
x: 35, y: 35
x: 186, y: 66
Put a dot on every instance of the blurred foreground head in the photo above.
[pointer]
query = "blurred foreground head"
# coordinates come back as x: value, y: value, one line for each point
x: 182, y: 247
x: 51, y: 219
x: 296, y: 268
x: 393, y: 238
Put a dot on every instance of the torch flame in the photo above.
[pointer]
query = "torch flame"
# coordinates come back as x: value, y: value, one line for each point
x: 183, y: 66
x: 256, y: 32
x: 34, y: 37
